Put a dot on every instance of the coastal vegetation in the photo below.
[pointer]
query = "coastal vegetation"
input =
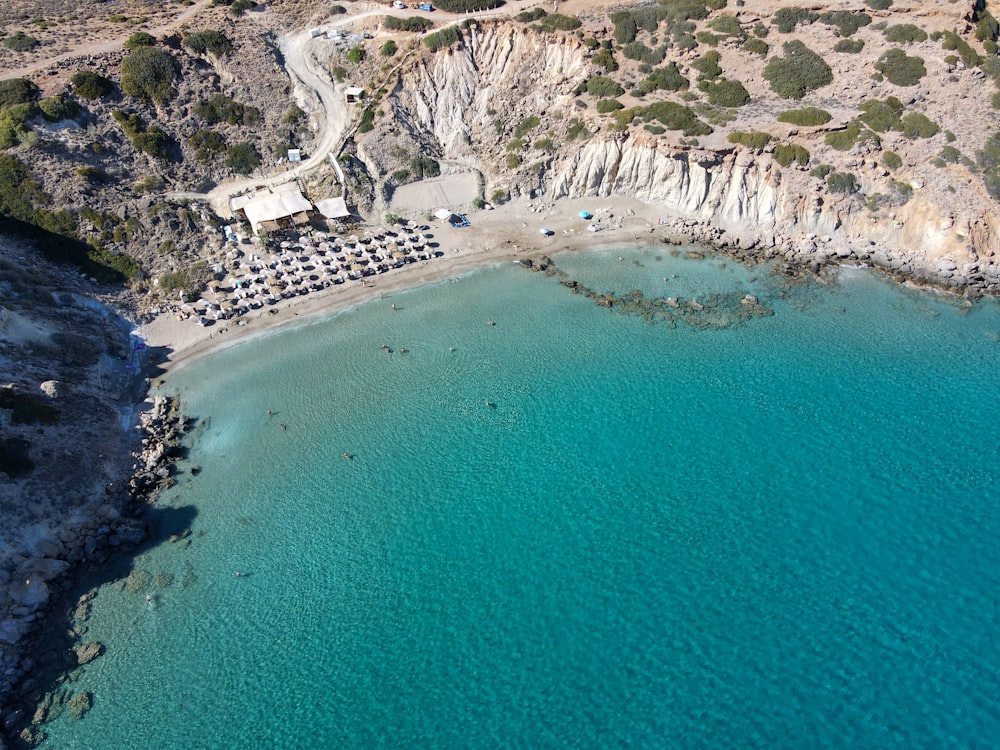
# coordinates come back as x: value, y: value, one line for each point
x: 797, y: 72
x: 148, y: 73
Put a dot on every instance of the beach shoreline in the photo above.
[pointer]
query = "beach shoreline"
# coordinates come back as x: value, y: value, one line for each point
x: 505, y: 234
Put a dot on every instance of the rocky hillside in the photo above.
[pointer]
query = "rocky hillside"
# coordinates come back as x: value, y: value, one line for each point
x: 864, y: 132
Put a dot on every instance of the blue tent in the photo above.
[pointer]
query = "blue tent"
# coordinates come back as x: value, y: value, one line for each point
x: 585, y: 214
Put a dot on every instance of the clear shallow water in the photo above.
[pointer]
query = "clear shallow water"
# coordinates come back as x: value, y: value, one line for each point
x: 781, y: 534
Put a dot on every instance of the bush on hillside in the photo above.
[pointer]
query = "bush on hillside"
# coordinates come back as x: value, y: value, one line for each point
x: 413, y: 23
x: 708, y: 66
x: 530, y: 16
x: 558, y: 22
x: 892, y: 160
x: 846, y: 21
x: 882, y: 116
x: 526, y: 126
x: 148, y: 73
x: 952, y: 41
x: 356, y: 54
x: 901, y: 69
x: 152, y: 140
x: 905, y: 33
x: 89, y: 85
x: 242, y: 158
x: 987, y: 27
x: 844, y: 140
x: 842, y: 182
x: 206, y: 144
x: 601, y: 87
x: 609, y: 105
x: 239, y: 7
x: 988, y: 160
x: 58, y: 108
x: 756, y: 46
x: 725, y: 93
x: 786, y: 19
x: 464, y: 6
x: 140, y: 39
x: 849, y: 46
x: 642, y: 53
x: 667, y: 78
x: 727, y: 25
x: 444, y: 38
x: 208, y: 41
x: 807, y: 116
x: 17, y: 91
x: 786, y: 153
x: 879, y: 4
x: 606, y: 59
x: 20, y: 42
x: 671, y: 115
x: 389, y: 49
x: 799, y: 71
x: 917, y: 125
x: 220, y: 108
x: 755, y: 140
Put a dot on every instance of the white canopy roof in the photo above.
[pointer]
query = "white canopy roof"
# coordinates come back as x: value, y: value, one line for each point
x: 443, y: 214
x: 333, y: 208
x: 274, y: 206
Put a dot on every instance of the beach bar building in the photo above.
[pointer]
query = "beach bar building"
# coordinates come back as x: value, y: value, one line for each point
x: 271, y: 209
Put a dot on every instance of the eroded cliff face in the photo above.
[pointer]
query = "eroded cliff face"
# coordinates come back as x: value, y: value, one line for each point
x: 464, y: 107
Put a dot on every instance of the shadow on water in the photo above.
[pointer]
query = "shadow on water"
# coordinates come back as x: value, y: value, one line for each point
x: 60, y: 651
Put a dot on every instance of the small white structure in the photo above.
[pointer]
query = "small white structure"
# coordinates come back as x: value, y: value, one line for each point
x: 333, y: 208
x: 294, y: 154
x: 354, y: 94
x: 443, y: 214
x: 313, y: 33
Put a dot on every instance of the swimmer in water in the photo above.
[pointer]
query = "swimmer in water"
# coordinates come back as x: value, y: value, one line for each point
x: 149, y: 600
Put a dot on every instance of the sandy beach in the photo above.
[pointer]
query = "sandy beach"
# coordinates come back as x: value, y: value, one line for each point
x: 505, y: 233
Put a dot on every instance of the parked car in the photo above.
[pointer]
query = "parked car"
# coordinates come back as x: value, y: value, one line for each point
x: 398, y: 5
x: 426, y: 7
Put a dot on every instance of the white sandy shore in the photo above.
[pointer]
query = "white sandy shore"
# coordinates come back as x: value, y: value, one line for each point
x: 507, y: 233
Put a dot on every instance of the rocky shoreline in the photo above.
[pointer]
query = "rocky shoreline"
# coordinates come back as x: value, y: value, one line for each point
x: 36, y: 675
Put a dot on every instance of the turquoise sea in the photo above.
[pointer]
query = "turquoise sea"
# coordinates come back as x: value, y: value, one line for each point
x: 780, y: 534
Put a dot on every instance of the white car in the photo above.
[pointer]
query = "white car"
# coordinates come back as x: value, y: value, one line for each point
x: 398, y: 5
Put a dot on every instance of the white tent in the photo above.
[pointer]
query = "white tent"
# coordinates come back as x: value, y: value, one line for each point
x: 443, y: 214
x: 333, y: 208
x: 275, y: 206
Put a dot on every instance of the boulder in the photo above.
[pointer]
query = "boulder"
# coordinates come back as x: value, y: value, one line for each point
x: 87, y: 652
x: 52, y: 388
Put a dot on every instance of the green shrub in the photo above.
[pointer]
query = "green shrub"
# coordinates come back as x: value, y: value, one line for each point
x: 339, y: 73
x: 951, y: 155
x: 901, y: 69
x: 601, y: 87
x: 708, y: 66
x: 207, y: 143
x: 987, y: 27
x: 58, y: 108
x: 558, y: 22
x: 786, y: 19
x: 20, y: 42
x: 208, y: 41
x: 443, y: 38
x: 17, y: 91
x: 147, y: 74
x: 879, y: 4
x: 952, y: 41
x: 389, y: 49
x: 513, y: 161
x: 547, y: 144
x: 239, y: 7
x: 220, y: 108
x: 725, y: 93
x: 756, y: 46
x: 424, y: 167
x: 140, y: 39
x: 608, y: 105
x: 413, y: 23
x: 92, y: 175
x: 671, y: 115
x: 807, y: 117
x: 526, y: 126
x: 728, y: 25
x: 842, y: 182
x: 882, y: 116
x: 576, y: 128
x: 847, y: 22
x: 800, y: 70
x: 708, y: 38
x: 367, y: 122
x: 905, y: 33
x: 755, y: 140
x: 916, y: 125
x: 152, y: 140
x: 642, y: 53
x: 667, y: 78
x: 849, y: 46
x: 529, y: 16
x: 891, y: 160
x: 606, y: 60
x: 465, y: 6
x: 356, y: 54
x: 820, y: 171
x: 90, y: 85
x: 786, y: 153
x: 844, y: 140
x: 242, y: 158
x: 499, y: 197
